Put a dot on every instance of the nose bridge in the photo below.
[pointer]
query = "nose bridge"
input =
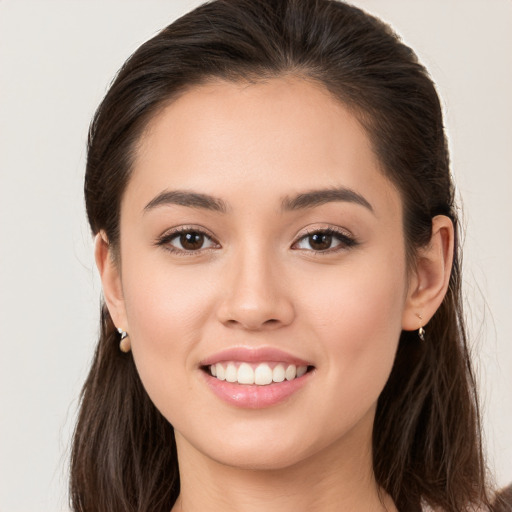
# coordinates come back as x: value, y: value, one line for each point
x: 256, y: 297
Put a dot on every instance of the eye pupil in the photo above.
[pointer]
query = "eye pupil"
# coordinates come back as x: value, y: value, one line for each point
x: 191, y: 240
x: 320, y: 241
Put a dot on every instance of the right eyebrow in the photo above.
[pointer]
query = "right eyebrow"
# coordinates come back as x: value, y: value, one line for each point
x: 189, y: 199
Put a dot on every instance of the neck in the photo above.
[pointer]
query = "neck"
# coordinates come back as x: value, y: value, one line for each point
x: 336, y: 478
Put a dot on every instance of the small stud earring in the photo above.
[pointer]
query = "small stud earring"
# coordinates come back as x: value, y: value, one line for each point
x: 421, y: 331
x: 124, y: 344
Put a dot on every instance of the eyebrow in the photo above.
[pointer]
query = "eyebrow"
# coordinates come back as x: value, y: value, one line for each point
x: 190, y: 199
x: 314, y: 198
x: 301, y: 201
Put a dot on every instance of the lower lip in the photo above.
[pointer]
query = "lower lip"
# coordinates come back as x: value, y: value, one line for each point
x: 252, y: 396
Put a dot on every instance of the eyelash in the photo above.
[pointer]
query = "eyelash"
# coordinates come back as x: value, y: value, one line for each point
x: 166, y: 239
x: 345, y: 241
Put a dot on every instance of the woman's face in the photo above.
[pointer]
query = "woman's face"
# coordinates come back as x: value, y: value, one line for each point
x: 258, y: 234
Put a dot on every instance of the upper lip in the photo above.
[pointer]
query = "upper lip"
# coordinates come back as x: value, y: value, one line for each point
x: 254, y: 355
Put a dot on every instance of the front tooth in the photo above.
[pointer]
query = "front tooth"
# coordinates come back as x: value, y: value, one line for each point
x: 221, y: 373
x: 231, y: 373
x: 291, y: 372
x: 213, y: 370
x: 263, y: 375
x: 278, y: 374
x: 301, y: 370
x: 245, y: 374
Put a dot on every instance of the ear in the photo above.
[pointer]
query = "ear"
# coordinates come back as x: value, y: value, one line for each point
x: 430, y: 279
x: 111, y: 280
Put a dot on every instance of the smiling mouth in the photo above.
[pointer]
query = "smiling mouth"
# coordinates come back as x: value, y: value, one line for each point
x: 259, y: 374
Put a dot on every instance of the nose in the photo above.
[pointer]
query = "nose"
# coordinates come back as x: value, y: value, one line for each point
x: 256, y: 296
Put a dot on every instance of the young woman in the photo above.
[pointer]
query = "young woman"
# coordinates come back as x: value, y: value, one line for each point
x: 269, y: 187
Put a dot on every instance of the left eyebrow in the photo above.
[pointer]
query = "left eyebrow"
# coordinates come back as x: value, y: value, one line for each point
x: 314, y: 198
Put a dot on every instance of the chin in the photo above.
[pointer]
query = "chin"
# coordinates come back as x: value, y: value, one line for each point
x: 265, y: 447
x: 258, y: 460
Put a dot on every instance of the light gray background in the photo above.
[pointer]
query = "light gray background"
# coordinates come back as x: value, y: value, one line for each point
x: 56, y: 61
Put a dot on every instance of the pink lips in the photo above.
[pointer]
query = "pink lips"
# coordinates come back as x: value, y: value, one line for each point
x: 254, y: 396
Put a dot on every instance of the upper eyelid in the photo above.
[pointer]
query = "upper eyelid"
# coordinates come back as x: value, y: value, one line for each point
x: 186, y: 229
x: 321, y: 229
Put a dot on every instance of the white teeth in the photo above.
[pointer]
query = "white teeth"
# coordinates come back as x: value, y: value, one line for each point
x: 291, y: 372
x: 245, y: 374
x: 231, y: 373
x: 301, y: 370
x: 221, y: 373
x: 278, y: 373
x: 261, y: 375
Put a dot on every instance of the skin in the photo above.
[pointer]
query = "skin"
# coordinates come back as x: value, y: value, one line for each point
x: 261, y: 283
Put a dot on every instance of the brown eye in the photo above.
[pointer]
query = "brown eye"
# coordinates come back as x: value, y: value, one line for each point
x: 191, y: 241
x: 325, y: 240
x: 320, y: 241
x: 187, y: 241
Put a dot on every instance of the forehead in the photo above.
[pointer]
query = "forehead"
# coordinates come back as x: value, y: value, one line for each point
x: 281, y: 135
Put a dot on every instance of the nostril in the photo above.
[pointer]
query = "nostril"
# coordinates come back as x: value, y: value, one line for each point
x: 253, y: 324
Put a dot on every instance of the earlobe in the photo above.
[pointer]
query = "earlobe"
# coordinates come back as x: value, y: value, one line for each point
x: 431, y: 278
x: 110, y: 279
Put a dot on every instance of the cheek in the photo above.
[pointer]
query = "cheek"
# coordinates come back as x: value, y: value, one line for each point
x: 164, y: 304
x: 358, y: 325
x: 167, y: 309
x: 366, y: 294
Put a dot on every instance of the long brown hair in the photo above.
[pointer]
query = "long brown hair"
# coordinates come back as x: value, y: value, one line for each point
x: 426, y: 438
